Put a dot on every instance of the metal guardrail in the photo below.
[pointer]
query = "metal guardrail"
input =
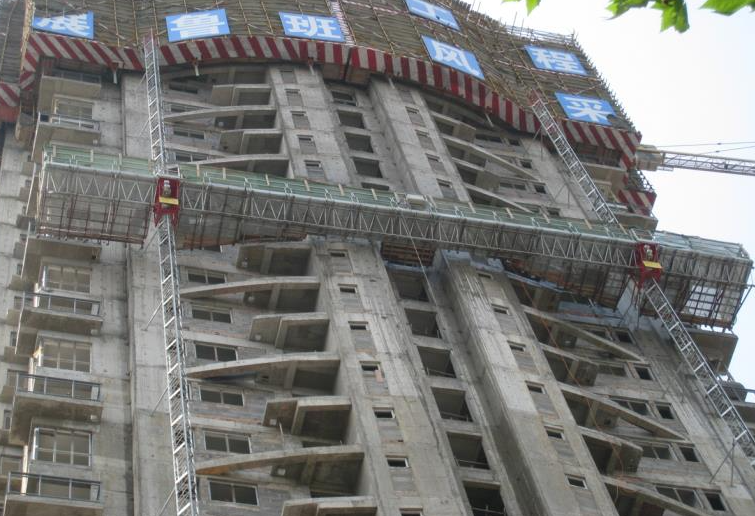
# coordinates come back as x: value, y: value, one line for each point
x: 75, y: 76
x: 69, y: 121
x: 46, y: 486
x: 63, y: 304
x: 59, y: 387
x: 199, y: 174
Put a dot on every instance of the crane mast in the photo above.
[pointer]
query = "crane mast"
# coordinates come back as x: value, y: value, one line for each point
x: 166, y: 211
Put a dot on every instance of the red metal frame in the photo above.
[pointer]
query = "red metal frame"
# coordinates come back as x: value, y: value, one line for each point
x: 166, y: 199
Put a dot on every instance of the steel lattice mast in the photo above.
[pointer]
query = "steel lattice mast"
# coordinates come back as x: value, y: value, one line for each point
x: 185, y: 485
x: 683, y: 342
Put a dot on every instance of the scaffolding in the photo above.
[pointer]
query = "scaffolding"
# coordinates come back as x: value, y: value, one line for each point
x: 83, y: 194
x: 384, y: 25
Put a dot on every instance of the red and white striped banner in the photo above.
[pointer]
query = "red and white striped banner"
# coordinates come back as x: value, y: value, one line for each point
x: 10, y: 94
x: 447, y: 79
x: 461, y: 85
x: 640, y: 200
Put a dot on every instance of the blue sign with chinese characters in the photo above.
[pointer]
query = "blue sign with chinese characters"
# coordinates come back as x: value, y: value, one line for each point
x: 555, y: 60
x: 452, y: 56
x: 313, y: 27
x: 199, y: 24
x: 77, y: 25
x: 432, y: 12
x: 585, y: 109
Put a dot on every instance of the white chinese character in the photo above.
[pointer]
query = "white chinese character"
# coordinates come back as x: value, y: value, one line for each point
x: 194, y: 25
x: 433, y: 12
x: 311, y: 26
x: 555, y: 60
x: 453, y: 56
x: 587, y: 109
x: 73, y: 23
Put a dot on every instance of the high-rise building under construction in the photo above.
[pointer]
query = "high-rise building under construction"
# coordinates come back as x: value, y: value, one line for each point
x: 346, y: 257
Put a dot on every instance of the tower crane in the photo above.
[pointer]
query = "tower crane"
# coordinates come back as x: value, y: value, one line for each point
x: 651, y: 158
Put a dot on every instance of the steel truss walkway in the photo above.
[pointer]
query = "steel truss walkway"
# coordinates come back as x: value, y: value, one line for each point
x: 102, y: 197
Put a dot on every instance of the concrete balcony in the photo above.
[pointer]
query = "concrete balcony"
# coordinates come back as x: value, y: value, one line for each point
x: 251, y: 141
x: 53, y: 312
x: 321, y: 417
x: 279, y: 294
x: 42, y: 495
x: 718, y: 347
x: 329, y: 467
x: 570, y: 368
x: 8, y: 389
x: 645, y: 501
x: 332, y: 506
x: 238, y: 94
x: 72, y: 130
x: 280, y: 259
x: 610, y: 452
x: 292, y: 332
x: 634, y: 219
x: 67, y: 83
x: 316, y: 371
x: 56, y: 398
x: 543, y: 322
x: 37, y: 248
x: 230, y: 117
x: 275, y: 164
x: 591, y: 410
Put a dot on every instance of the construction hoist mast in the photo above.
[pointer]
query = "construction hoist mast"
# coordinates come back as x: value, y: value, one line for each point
x: 647, y: 283
x: 166, y: 215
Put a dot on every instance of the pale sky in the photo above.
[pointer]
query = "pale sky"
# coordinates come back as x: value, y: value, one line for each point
x: 678, y: 89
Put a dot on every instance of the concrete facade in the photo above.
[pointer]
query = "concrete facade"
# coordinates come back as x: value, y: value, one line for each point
x: 326, y: 377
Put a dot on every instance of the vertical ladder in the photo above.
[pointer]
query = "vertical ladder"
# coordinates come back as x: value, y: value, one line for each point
x: 154, y: 104
x: 712, y: 388
x: 184, y: 476
x: 570, y: 159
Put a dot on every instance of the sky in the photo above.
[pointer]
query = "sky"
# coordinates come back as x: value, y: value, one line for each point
x: 678, y: 89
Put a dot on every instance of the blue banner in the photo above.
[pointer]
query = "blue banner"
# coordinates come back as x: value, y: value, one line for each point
x: 586, y: 109
x: 312, y: 27
x: 555, y: 60
x: 77, y: 25
x: 432, y: 12
x: 452, y: 56
x: 199, y: 24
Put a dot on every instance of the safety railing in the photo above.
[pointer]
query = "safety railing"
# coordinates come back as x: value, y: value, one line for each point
x: 63, y: 304
x: 70, y: 121
x: 46, y: 486
x: 59, y: 387
x: 198, y: 174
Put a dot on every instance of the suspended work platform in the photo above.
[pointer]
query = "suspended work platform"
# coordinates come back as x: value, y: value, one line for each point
x: 83, y: 194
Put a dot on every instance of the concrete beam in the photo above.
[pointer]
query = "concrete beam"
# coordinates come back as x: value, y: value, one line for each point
x: 313, y: 361
x: 645, y: 495
x: 598, y: 342
x: 291, y: 412
x: 281, y: 458
x: 253, y: 285
x: 600, y: 403
x: 273, y: 328
x: 624, y: 453
x: 337, y: 506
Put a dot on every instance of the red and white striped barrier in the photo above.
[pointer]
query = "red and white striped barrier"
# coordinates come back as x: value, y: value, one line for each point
x: 426, y: 73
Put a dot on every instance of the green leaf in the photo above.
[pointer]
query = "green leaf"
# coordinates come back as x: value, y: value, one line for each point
x: 531, y: 4
x: 619, y: 7
x: 728, y: 7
